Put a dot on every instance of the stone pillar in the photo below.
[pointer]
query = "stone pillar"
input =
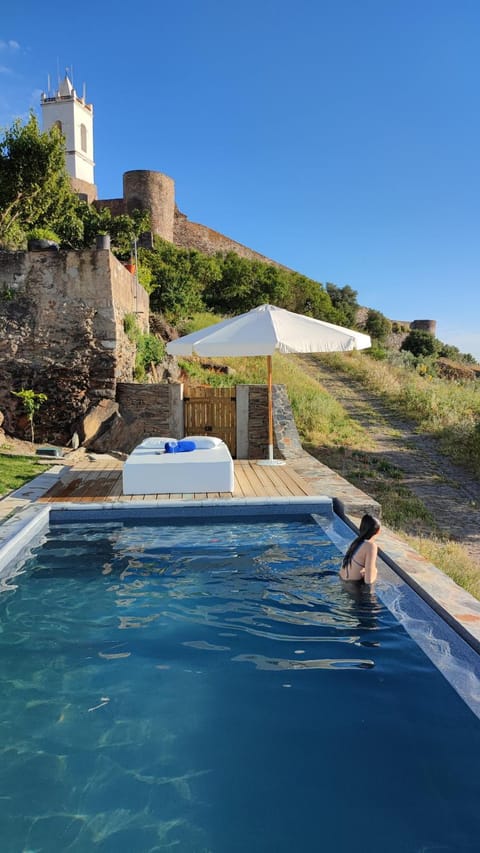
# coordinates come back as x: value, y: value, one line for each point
x: 242, y: 393
x: 175, y: 395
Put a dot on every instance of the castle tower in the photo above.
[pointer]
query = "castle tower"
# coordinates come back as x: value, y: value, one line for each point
x: 153, y: 191
x: 74, y: 117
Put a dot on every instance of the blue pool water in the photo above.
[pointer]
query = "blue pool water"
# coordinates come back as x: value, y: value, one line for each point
x: 216, y: 689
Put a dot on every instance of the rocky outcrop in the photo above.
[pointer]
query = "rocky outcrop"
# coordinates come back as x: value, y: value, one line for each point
x: 93, y: 424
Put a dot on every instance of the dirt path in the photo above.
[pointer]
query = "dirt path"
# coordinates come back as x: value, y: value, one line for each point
x: 448, y: 491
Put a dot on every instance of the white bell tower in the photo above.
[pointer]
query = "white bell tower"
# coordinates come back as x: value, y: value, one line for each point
x: 74, y: 117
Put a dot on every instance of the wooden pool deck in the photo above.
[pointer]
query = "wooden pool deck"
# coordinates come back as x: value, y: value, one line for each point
x: 100, y: 480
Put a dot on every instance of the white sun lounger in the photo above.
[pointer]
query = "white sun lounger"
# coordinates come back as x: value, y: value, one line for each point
x: 149, y: 470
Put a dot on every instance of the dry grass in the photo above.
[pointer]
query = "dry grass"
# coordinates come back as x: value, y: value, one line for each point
x: 449, y: 410
x: 451, y: 558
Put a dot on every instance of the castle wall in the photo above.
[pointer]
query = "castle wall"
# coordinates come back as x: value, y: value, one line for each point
x: 61, y: 334
x: 116, y: 206
x: 192, y: 235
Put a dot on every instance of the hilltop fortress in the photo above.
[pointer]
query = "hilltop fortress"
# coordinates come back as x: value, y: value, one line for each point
x: 142, y: 189
x: 62, y: 313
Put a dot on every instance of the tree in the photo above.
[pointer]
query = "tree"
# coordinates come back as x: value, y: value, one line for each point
x: 420, y: 342
x: 344, y: 299
x: 124, y: 230
x: 35, y: 187
x: 377, y: 325
x: 306, y: 296
x: 31, y: 404
x: 175, y: 289
x: 234, y: 292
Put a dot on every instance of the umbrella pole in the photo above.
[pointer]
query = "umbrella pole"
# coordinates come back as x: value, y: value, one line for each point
x: 270, y: 408
x: 270, y: 460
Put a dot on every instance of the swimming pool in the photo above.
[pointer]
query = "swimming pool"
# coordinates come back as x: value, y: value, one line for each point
x: 214, y: 687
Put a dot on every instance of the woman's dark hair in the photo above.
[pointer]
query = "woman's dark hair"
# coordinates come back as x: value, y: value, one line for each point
x: 369, y: 525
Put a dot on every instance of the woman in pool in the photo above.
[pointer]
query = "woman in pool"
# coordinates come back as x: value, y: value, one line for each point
x: 360, y: 561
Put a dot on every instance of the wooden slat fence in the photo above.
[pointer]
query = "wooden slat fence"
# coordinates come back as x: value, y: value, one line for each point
x: 211, y: 411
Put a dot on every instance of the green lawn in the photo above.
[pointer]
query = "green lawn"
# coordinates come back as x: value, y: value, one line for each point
x: 17, y: 470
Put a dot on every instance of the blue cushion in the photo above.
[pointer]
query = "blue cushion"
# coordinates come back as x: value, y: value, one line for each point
x: 183, y: 446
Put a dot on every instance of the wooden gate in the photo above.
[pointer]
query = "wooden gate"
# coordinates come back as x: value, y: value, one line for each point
x: 211, y: 411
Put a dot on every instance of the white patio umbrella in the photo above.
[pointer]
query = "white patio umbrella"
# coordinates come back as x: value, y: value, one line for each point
x: 263, y: 331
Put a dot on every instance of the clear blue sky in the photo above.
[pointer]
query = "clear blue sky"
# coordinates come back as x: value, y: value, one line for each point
x: 339, y: 137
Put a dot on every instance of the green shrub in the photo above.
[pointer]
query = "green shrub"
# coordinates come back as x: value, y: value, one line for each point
x: 378, y: 352
x: 12, y: 235
x: 43, y: 234
x: 7, y: 294
x: 32, y: 401
x: 130, y: 327
x: 150, y: 350
x: 421, y: 342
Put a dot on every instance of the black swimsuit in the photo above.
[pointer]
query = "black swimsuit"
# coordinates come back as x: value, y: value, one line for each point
x: 352, y: 559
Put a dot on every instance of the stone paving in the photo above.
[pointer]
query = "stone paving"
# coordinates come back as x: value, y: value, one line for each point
x: 450, y: 492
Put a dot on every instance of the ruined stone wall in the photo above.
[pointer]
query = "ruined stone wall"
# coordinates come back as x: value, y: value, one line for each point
x: 191, y: 235
x: 117, y: 206
x: 61, y: 334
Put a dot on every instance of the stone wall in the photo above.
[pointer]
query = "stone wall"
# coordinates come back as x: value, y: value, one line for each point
x: 425, y: 326
x: 257, y: 422
x: 143, y: 410
x: 146, y: 410
x: 117, y: 206
x: 286, y: 437
x: 191, y: 235
x: 61, y: 334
